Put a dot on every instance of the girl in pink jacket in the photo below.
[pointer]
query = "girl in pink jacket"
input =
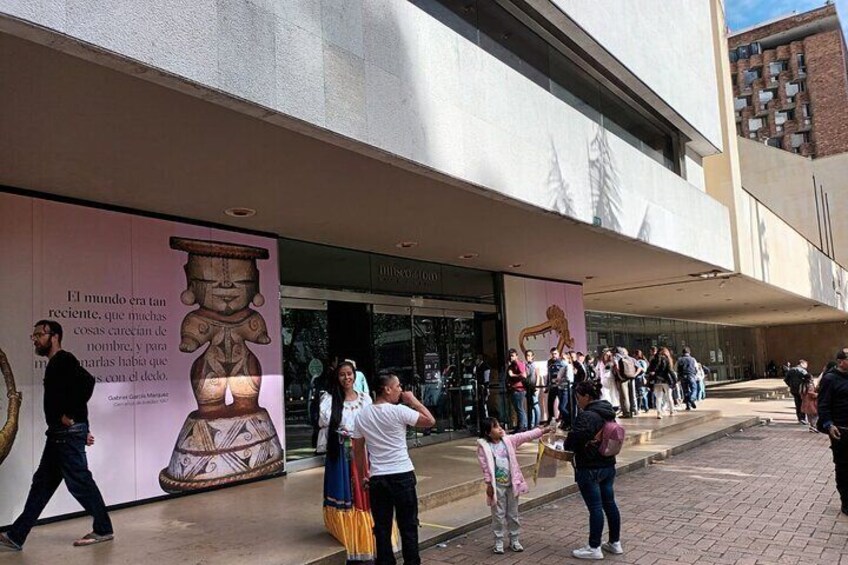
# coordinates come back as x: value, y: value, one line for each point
x: 504, y: 481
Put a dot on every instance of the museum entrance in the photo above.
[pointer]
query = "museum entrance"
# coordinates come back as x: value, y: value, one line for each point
x: 430, y: 344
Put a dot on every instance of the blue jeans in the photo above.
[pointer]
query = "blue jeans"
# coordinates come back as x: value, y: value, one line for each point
x: 394, y: 496
x: 596, y: 488
x: 519, y: 402
x: 534, y: 411
x: 642, y: 394
x: 565, y: 409
x: 63, y: 458
x: 689, y: 391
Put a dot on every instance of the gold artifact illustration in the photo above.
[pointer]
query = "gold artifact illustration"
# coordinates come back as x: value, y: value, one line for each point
x: 556, y: 322
x: 222, y: 443
x: 10, y: 428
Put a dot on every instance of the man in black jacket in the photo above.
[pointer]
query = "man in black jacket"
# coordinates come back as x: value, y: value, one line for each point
x: 833, y: 419
x: 687, y: 372
x: 67, y: 389
x: 794, y: 378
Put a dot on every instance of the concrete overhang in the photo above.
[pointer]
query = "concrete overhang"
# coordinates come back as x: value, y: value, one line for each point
x: 100, y: 129
x: 734, y: 300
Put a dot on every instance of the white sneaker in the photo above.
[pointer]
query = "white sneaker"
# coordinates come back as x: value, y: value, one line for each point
x: 614, y: 547
x: 516, y: 546
x: 588, y: 552
x: 499, y: 546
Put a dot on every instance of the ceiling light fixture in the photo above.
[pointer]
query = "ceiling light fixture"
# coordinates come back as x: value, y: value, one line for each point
x: 406, y: 244
x: 240, y: 212
x: 466, y: 256
x: 516, y: 265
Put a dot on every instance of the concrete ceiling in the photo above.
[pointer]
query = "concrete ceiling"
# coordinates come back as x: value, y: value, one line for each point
x: 74, y: 128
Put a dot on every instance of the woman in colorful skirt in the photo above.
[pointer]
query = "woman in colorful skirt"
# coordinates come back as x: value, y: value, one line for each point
x: 347, y: 509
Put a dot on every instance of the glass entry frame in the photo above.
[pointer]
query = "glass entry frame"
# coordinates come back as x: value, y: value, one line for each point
x: 439, y: 349
x: 431, y: 344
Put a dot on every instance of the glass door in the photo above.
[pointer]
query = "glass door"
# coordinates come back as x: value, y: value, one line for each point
x: 305, y: 347
x: 462, y: 385
x: 432, y: 366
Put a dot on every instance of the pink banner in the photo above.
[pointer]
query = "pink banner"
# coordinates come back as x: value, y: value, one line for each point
x: 179, y: 324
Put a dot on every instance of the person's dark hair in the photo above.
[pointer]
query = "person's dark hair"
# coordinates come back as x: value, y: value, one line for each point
x: 382, y: 381
x: 554, y: 349
x: 687, y: 351
x: 530, y: 351
x: 511, y: 351
x: 336, y: 391
x: 639, y: 355
x: 54, y: 327
x: 486, y: 425
x: 590, y: 388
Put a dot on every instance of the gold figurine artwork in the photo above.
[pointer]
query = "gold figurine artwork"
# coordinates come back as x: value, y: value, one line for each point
x: 222, y: 443
x: 556, y: 322
x: 10, y: 428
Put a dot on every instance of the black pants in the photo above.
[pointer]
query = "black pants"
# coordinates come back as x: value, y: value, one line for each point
x: 840, y: 461
x: 796, y: 396
x: 392, y: 494
x: 63, y: 459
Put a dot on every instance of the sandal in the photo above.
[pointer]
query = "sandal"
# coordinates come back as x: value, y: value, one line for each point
x: 92, y: 538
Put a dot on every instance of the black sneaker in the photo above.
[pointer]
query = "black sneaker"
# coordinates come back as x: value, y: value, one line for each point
x: 8, y: 544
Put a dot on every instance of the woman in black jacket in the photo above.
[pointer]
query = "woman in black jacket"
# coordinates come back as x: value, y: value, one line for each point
x: 593, y: 472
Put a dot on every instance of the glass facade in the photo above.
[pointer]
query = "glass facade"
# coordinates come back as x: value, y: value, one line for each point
x: 728, y: 351
x: 422, y: 321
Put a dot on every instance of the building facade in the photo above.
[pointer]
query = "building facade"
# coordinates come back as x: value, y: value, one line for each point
x: 790, y: 83
x: 409, y: 185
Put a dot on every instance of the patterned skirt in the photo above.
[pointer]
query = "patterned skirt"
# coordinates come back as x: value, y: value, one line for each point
x: 347, y: 508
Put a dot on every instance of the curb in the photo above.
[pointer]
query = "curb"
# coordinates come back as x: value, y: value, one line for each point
x: 626, y: 468
x: 433, y: 500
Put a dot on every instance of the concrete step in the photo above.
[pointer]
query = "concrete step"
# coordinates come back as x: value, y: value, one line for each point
x: 777, y: 394
x: 755, y: 391
x: 640, y: 430
x: 465, y: 515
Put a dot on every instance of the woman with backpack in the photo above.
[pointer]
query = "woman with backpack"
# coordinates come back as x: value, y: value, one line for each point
x: 594, y: 472
x: 663, y: 380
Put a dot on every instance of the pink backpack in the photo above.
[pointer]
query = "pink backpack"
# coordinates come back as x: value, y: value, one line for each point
x: 610, y: 438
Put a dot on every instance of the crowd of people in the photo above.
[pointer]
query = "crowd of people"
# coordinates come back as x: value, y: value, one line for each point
x: 543, y: 392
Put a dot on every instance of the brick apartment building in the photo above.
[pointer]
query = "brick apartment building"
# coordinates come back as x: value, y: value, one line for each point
x: 790, y: 82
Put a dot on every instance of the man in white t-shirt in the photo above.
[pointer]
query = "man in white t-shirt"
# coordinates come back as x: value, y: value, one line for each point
x: 381, y: 427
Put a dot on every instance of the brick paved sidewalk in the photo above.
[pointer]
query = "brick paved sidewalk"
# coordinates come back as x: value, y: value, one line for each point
x: 762, y: 496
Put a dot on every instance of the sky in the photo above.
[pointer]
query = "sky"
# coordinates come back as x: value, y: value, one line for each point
x: 745, y: 13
